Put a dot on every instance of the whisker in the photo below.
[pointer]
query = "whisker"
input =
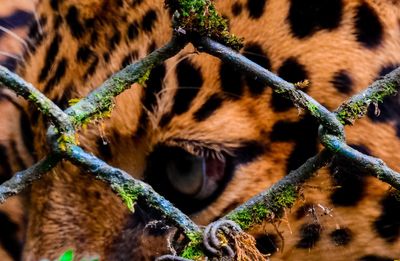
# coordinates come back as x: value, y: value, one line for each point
x: 37, y: 20
x: 15, y: 36
x: 10, y: 55
x: 185, y: 56
x: 35, y: 14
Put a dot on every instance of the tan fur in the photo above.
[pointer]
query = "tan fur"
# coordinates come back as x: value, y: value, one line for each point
x: 11, y: 141
x: 68, y: 209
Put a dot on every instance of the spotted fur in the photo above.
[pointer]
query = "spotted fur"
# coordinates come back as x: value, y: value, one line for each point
x: 193, y: 104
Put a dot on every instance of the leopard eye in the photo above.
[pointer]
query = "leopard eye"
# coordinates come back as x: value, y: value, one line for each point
x: 186, y: 173
x: 188, y: 181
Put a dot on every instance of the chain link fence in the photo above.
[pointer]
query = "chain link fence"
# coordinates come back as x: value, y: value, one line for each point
x: 197, y: 21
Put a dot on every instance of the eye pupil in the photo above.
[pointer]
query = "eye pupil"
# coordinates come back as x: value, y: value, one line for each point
x: 186, y: 173
x: 187, y: 180
x: 184, y: 166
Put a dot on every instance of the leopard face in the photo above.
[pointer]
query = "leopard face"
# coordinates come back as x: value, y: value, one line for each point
x: 208, y: 137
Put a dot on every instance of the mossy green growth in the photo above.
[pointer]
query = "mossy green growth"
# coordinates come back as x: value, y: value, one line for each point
x: 385, y: 90
x: 280, y: 91
x: 82, y: 119
x: 73, y: 101
x: 64, y: 140
x: 259, y: 212
x: 194, y: 249
x: 312, y: 108
x: 101, y: 114
x: 248, y: 217
x: 118, y: 83
x: 45, y: 108
x: 32, y: 97
x: 284, y: 198
x: 349, y: 113
x: 129, y: 195
x: 352, y: 111
x: 105, y: 100
x: 143, y: 79
x: 200, y: 17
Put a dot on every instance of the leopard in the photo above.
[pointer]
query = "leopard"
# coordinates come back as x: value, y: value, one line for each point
x: 202, y: 133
